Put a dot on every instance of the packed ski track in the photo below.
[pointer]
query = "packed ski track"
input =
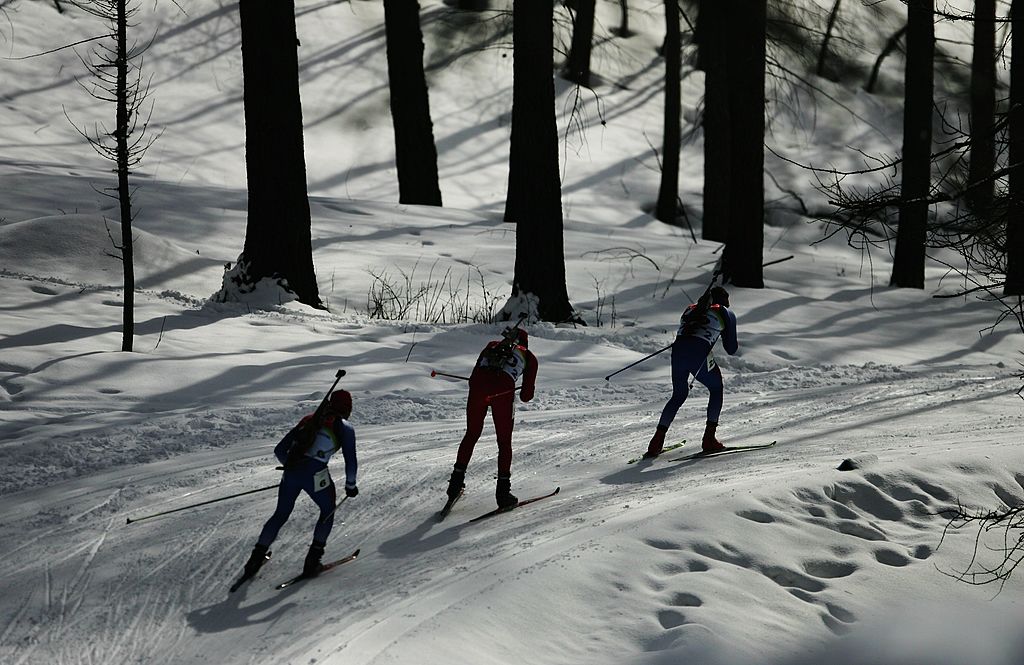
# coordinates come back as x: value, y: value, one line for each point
x: 157, y: 590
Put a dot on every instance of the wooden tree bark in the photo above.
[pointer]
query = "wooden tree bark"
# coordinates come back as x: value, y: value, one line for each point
x: 667, y: 209
x: 415, y: 151
x: 983, y: 107
x: 1015, y: 213
x: 277, y: 237
x: 534, y: 200
x: 908, y: 261
x: 577, y: 67
x: 744, y: 250
x: 716, y: 48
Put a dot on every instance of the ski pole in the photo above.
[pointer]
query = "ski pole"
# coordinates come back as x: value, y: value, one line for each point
x: 434, y: 372
x: 638, y: 362
x: 204, y: 503
x: 331, y: 514
x: 487, y: 400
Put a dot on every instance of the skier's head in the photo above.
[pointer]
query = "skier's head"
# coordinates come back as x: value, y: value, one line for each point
x: 719, y: 296
x: 341, y: 403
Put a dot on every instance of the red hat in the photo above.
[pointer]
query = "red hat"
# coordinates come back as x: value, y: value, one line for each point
x: 341, y: 401
x: 522, y: 337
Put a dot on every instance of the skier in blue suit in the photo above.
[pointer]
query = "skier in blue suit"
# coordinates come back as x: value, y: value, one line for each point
x: 691, y: 355
x: 305, y: 470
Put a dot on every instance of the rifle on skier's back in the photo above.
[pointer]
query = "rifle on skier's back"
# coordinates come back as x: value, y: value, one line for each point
x: 307, y: 433
x: 695, y: 317
x: 497, y: 355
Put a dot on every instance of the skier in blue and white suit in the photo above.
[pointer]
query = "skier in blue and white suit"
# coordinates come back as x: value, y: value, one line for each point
x: 692, y: 355
x: 305, y: 470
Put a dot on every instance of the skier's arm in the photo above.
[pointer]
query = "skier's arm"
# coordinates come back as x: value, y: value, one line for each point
x: 346, y: 436
x: 529, y: 377
x: 729, y: 341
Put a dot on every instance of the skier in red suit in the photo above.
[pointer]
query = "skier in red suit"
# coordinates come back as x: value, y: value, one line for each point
x: 493, y: 383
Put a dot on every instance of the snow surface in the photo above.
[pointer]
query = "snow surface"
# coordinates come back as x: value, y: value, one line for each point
x: 768, y: 556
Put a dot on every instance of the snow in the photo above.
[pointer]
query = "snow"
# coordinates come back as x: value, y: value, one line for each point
x: 772, y: 556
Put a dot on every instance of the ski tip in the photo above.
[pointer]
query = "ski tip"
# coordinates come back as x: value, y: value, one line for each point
x: 356, y: 553
x: 557, y: 490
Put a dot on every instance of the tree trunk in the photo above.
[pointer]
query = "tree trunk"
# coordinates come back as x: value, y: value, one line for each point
x: 1015, y: 209
x: 744, y: 251
x: 890, y: 46
x: 624, y: 13
x: 667, y: 209
x: 534, y: 201
x: 577, y: 67
x: 123, y: 191
x: 715, y: 52
x: 823, y: 53
x: 983, y: 107
x: 415, y: 152
x: 908, y: 261
x: 277, y: 237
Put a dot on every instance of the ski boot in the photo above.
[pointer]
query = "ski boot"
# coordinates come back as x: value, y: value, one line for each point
x: 710, y: 444
x: 657, y: 443
x: 260, y: 555
x: 503, y: 494
x: 457, y: 482
x: 312, y: 565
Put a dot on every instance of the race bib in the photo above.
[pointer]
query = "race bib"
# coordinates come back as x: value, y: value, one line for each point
x: 321, y: 480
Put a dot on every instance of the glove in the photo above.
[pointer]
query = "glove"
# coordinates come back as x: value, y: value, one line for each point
x: 526, y: 394
x: 351, y: 491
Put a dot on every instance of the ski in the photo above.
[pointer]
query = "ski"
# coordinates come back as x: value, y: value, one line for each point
x: 326, y: 567
x: 448, y: 506
x: 663, y: 451
x: 728, y: 450
x: 498, y: 511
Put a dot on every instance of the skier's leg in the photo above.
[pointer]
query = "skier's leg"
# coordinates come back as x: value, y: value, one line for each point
x: 681, y: 364
x: 326, y: 499
x: 476, y: 409
x: 711, y: 376
x: 287, y: 492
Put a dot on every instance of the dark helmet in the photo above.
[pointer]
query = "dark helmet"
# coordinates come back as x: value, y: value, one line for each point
x: 341, y: 401
x: 719, y: 296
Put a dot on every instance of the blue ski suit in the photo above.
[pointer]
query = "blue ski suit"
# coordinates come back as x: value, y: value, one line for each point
x: 691, y: 355
x: 310, y: 475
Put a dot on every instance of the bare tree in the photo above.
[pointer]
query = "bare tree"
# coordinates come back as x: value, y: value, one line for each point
x: 742, y: 262
x: 667, y: 208
x: 1015, y: 213
x: 983, y: 105
x: 534, y: 199
x: 415, y: 151
x: 577, y: 66
x: 908, y: 259
x: 1007, y: 547
x: 116, y: 70
x: 828, y: 37
x: 277, y: 236
x: 715, y: 49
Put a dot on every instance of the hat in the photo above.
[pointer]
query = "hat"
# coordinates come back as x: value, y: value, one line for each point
x: 720, y: 296
x: 341, y: 401
x: 522, y: 337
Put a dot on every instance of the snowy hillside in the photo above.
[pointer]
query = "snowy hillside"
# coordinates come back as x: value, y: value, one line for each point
x: 764, y: 557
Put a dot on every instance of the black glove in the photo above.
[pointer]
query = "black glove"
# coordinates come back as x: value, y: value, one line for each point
x: 351, y: 491
x: 526, y: 394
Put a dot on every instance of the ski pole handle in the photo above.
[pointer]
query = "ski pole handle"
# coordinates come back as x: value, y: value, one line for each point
x: 647, y: 357
x: 435, y: 373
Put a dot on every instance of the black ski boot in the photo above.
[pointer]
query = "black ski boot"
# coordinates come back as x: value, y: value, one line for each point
x: 312, y: 566
x: 503, y: 494
x: 457, y: 482
x: 260, y: 555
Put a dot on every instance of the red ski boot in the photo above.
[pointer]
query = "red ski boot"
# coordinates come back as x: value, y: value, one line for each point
x: 710, y: 444
x: 657, y: 443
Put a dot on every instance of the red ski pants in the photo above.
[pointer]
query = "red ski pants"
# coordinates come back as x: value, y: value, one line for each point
x: 485, y: 388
